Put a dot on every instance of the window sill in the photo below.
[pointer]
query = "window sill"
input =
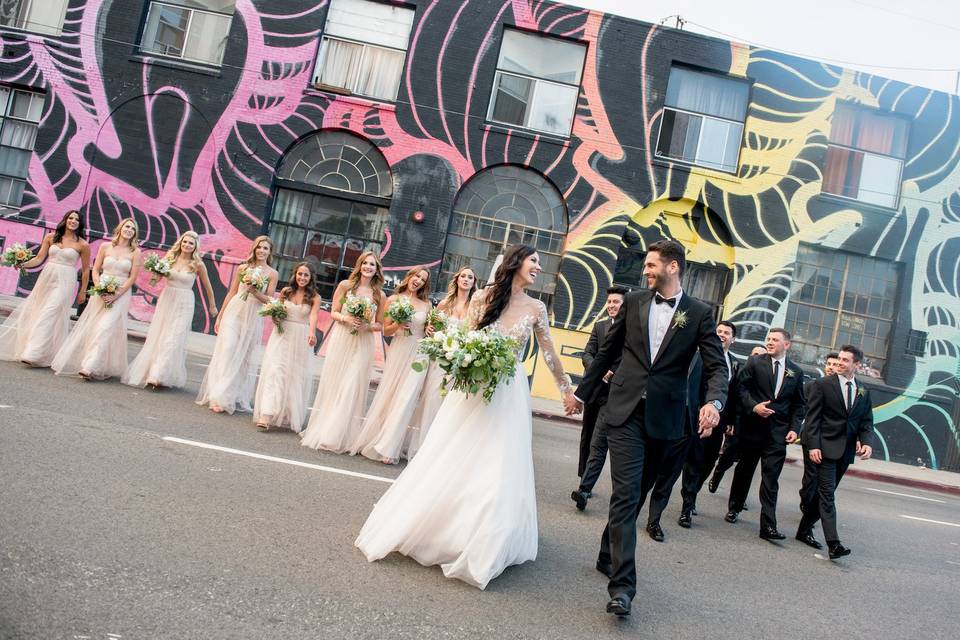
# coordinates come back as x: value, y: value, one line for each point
x: 687, y: 167
x: 531, y: 134
x: 176, y: 63
x: 859, y: 204
x: 375, y: 103
x: 16, y: 33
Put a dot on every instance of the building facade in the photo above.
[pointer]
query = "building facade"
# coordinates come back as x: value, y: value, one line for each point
x: 438, y: 132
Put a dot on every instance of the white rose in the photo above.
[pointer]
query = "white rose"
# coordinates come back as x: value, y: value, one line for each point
x: 467, y: 359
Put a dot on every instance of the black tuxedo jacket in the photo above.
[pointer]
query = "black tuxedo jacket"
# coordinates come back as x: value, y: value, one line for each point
x: 756, y: 385
x: 830, y: 427
x: 659, y: 378
x: 597, y: 336
x: 697, y: 395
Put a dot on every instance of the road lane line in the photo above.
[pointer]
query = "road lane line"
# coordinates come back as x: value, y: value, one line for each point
x: 905, y: 495
x: 260, y: 456
x: 949, y: 524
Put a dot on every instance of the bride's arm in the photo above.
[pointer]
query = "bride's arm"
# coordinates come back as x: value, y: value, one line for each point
x: 475, y: 310
x: 542, y: 330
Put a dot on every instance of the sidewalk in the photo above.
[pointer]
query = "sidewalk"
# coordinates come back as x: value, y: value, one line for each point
x: 201, y: 345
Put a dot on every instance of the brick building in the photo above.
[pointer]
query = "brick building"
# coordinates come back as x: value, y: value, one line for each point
x: 809, y: 196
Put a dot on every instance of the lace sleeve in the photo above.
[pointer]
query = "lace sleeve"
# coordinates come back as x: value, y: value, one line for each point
x: 542, y: 330
x: 475, y: 310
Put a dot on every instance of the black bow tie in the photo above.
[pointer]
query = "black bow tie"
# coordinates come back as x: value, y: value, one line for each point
x: 659, y: 298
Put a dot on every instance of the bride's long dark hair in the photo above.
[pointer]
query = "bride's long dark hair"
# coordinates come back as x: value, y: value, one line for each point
x: 499, y: 295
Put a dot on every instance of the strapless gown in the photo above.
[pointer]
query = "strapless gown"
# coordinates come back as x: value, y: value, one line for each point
x: 283, y: 391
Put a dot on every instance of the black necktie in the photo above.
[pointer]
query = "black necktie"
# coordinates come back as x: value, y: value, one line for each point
x: 849, y: 394
x: 659, y: 298
x: 776, y: 377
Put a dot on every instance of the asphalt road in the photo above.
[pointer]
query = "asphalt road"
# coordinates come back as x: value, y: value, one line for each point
x: 110, y: 530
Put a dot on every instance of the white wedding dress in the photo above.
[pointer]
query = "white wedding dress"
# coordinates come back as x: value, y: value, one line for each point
x: 467, y: 501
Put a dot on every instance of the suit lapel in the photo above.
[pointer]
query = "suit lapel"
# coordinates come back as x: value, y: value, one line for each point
x: 769, y: 381
x: 838, y: 394
x: 645, y: 326
x: 683, y: 305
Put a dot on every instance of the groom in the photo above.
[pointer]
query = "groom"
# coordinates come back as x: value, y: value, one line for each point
x: 655, y: 336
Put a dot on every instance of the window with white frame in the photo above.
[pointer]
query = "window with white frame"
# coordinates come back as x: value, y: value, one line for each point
x: 41, y: 16
x: 363, y: 48
x: 865, y: 155
x: 537, y: 82
x: 20, y: 111
x: 703, y: 117
x: 194, y: 30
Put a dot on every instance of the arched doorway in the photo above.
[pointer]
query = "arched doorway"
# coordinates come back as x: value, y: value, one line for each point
x: 500, y: 206
x: 332, y: 202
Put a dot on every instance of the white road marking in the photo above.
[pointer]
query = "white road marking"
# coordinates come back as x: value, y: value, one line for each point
x: 260, y: 456
x: 6, y: 406
x: 905, y: 495
x: 949, y: 524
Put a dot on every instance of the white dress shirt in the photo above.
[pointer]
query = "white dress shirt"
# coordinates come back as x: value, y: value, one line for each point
x: 661, y: 315
x: 778, y: 383
x: 726, y: 356
x: 843, y: 389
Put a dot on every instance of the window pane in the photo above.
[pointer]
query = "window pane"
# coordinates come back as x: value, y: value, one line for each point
x: 371, y: 22
x: 291, y: 207
x: 511, y: 97
x: 11, y: 191
x: 166, y: 30
x: 841, y: 175
x: 879, y: 180
x: 14, y: 162
x: 223, y: 6
x: 290, y: 241
x: 41, y: 16
x: 869, y: 130
x: 207, y: 39
x: 330, y: 214
x: 4, y: 100
x: 541, y: 57
x: 707, y: 93
x: 679, y: 135
x: 553, y: 108
x: 714, y: 144
x: 27, y: 106
x: 340, y: 61
x: 380, y: 73
x: 19, y: 134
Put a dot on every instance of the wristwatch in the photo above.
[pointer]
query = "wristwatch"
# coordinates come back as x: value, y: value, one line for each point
x: 717, y: 404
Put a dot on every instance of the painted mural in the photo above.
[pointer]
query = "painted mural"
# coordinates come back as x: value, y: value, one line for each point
x: 124, y: 133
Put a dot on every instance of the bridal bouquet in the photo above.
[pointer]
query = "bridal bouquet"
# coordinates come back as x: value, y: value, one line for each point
x: 276, y: 311
x: 16, y: 254
x: 358, y: 307
x: 254, y: 277
x: 157, y: 266
x: 437, y: 319
x: 400, y: 311
x: 108, y: 285
x: 472, y: 361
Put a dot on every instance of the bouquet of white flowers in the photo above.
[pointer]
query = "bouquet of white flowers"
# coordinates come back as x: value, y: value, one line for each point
x: 254, y: 277
x: 472, y: 361
x: 157, y: 266
x: 437, y: 319
x: 108, y: 285
x: 358, y: 307
x: 276, y: 311
x: 400, y: 311
x: 16, y: 254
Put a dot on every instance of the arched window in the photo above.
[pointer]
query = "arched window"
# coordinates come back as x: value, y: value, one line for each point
x: 332, y: 203
x: 501, y: 206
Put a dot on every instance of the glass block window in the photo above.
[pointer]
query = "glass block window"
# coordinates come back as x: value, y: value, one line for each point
x: 20, y: 113
x: 194, y: 30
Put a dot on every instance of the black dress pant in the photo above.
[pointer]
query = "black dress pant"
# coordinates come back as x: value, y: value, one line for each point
x: 591, y: 412
x: 598, y: 455
x: 672, y: 454
x: 701, y: 456
x: 770, y: 456
x: 729, y: 454
x: 819, y: 498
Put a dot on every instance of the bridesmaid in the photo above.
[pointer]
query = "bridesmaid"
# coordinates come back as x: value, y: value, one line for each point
x: 38, y: 327
x: 283, y: 392
x: 228, y: 384
x: 388, y: 419
x: 342, y: 394
x: 97, y: 348
x: 163, y: 360
x: 455, y: 305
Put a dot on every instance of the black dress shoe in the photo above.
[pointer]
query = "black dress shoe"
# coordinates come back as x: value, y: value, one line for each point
x: 580, y: 497
x: 605, y: 568
x: 744, y: 508
x: 731, y: 516
x: 809, y: 540
x: 837, y: 550
x: 771, y: 534
x: 685, y: 520
x: 655, y: 532
x: 619, y: 606
x: 713, y: 485
x: 693, y: 511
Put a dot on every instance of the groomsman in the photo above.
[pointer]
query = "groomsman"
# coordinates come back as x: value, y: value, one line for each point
x: 771, y: 411
x: 838, y: 427
x: 593, y: 444
x: 808, y: 486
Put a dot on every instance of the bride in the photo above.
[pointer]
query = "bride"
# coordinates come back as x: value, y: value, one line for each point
x: 467, y: 500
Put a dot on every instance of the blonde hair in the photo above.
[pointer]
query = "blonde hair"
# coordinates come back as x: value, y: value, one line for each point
x: 424, y: 291
x: 176, y: 251
x: 252, y: 256
x: 116, y: 233
x: 453, y: 289
x: 376, y: 283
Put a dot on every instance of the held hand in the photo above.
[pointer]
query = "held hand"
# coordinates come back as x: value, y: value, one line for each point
x: 214, y: 311
x: 108, y: 299
x: 816, y: 456
x: 709, y: 418
x: 607, y: 376
x: 355, y: 323
x: 864, y: 451
x: 729, y: 430
x: 428, y: 330
x: 571, y: 406
x: 216, y: 326
x: 791, y: 437
x: 763, y: 410
x: 81, y: 297
x: 312, y: 340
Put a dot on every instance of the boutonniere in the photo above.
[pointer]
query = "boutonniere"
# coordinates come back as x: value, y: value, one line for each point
x: 861, y: 392
x: 679, y: 319
x: 789, y: 373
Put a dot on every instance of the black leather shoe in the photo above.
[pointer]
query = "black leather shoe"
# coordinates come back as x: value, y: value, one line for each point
x: 744, y: 508
x: 713, y: 485
x: 580, y: 497
x: 619, y: 606
x: 731, y: 516
x: 837, y: 550
x: 655, y: 532
x: 693, y: 511
x: 771, y: 534
x: 809, y: 540
x: 605, y: 568
x: 685, y: 520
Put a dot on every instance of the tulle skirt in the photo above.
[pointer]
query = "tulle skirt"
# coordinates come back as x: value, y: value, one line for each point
x: 163, y: 359
x: 98, y: 344
x: 389, y: 417
x: 39, y: 326
x: 230, y: 379
x: 283, y: 392
x: 466, y: 502
x: 430, y: 401
x: 337, y: 413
